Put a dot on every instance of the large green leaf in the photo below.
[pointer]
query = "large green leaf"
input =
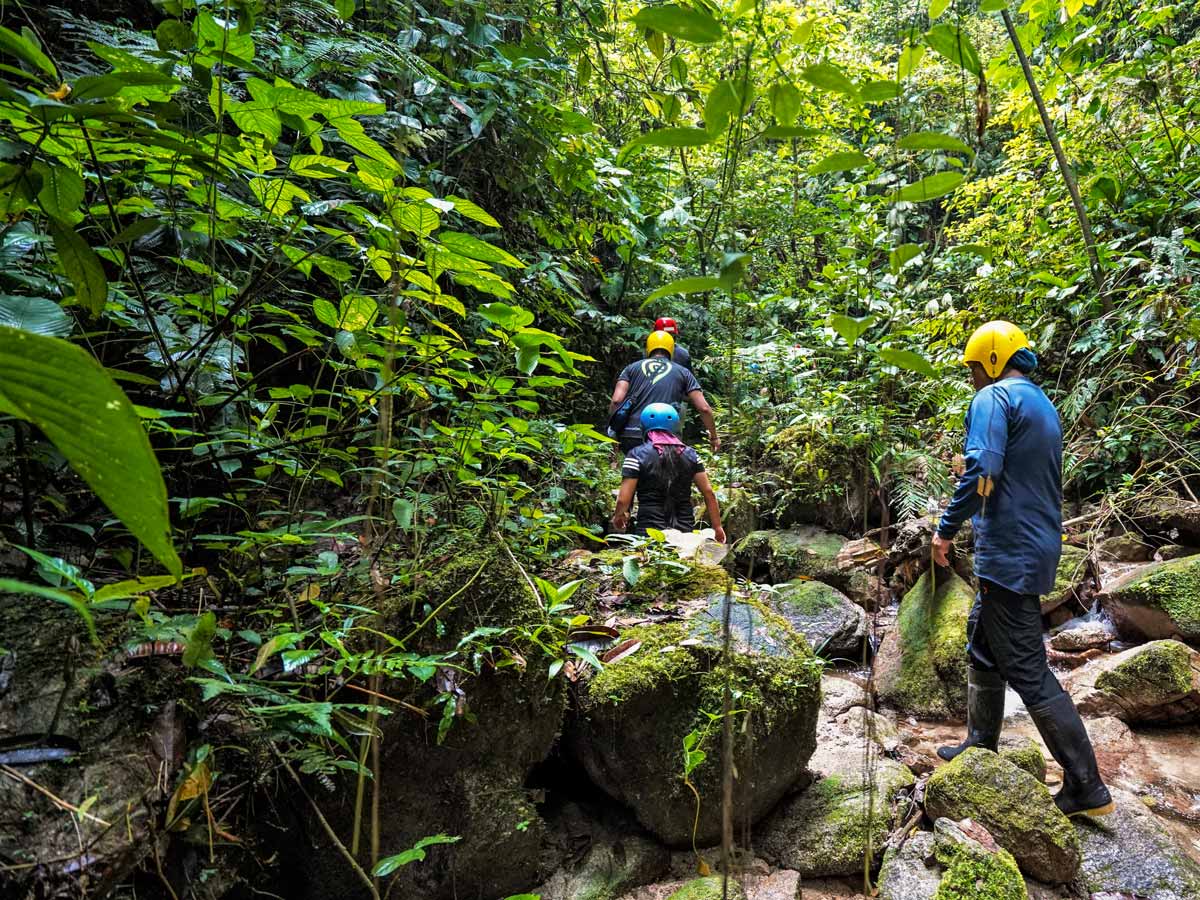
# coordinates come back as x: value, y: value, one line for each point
x: 849, y: 328
x: 671, y: 137
x: 879, y: 91
x: 844, y: 161
x: 906, y: 359
x: 930, y: 187
x: 82, y: 266
x: 829, y: 77
x: 910, y: 58
x: 953, y: 44
x: 473, y: 248
x: 23, y: 48
x: 66, y: 393
x: 36, y: 315
x: 61, y: 193
x: 933, y: 140
x: 936, y: 8
x: 901, y: 255
x: 785, y: 102
x: 696, y: 284
x: 726, y: 99
x: 687, y: 24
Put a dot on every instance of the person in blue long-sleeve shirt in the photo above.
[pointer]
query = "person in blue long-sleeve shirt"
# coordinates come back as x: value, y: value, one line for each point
x: 1011, y: 489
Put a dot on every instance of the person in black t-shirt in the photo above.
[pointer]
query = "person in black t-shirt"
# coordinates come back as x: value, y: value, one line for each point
x: 679, y: 355
x: 660, y: 472
x: 656, y: 379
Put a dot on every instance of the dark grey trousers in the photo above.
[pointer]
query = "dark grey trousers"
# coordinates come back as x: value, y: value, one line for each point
x: 1004, y: 634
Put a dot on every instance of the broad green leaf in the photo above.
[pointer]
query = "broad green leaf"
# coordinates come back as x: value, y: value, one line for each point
x: 802, y: 32
x: 671, y: 137
x: 785, y: 103
x: 631, y: 570
x: 952, y: 43
x: 134, y: 587
x: 507, y: 317
x: 880, y: 91
x: 66, y: 393
x: 829, y: 77
x: 199, y: 641
x: 25, y: 49
x: 226, y: 39
x: 849, y: 328
x: 983, y: 251
x: 657, y: 42
x: 694, y: 285
x: 782, y: 132
x: 419, y: 218
x: 61, y: 193
x: 172, y: 34
x: 901, y: 255
x: 1072, y: 7
x: 82, y: 266
x: 36, y: 315
x: 527, y: 359
x: 471, y: 210
x: 356, y: 312
x: 936, y: 8
x: 993, y: 5
x: 390, y: 864
x: 71, y: 599
x: 687, y: 24
x: 473, y: 248
x: 844, y: 161
x: 928, y: 188
x: 726, y: 99
x: 906, y: 359
x: 345, y: 9
x: 733, y: 265
x: 933, y: 140
x: 910, y: 58
x: 256, y: 117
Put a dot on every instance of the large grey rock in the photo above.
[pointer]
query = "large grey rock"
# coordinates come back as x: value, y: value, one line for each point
x: 1171, y: 517
x: 1125, y: 547
x: 1156, y: 682
x: 617, y: 860
x: 1161, y: 600
x: 781, y: 555
x: 832, y: 824
x: 633, y: 717
x: 1130, y: 852
x: 1011, y: 804
x: 834, y: 625
x: 1084, y: 636
x: 921, y: 666
x: 912, y: 872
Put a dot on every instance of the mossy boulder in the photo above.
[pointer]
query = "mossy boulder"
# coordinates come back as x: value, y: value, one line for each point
x: 632, y: 718
x: 1027, y: 756
x: 973, y: 871
x: 1074, y: 571
x: 709, y: 888
x: 1170, y: 517
x: 1161, y: 600
x: 778, y: 556
x: 1011, y: 804
x: 921, y: 666
x: 835, y: 821
x: 469, y: 782
x: 910, y: 872
x: 1156, y: 682
x: 1130, y: 853
x: 832, y: 623
x: 1125, y: 547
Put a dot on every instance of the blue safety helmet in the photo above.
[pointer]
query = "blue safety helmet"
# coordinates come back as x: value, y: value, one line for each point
x: 660, y: 417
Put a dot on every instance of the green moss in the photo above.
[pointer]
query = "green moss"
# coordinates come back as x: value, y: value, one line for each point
x: 707, y: 889
x: 932, y: 629
x: 1173, y: 587
x: 1160, y: 671
x: 808, y: 597
x: 1071, y: 572
x: 978, y: 875
x: 1029, y: 758
x: 660, y: 659
x: 782, y: 555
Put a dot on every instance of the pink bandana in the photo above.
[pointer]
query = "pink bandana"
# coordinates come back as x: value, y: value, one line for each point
x: 661, y: 439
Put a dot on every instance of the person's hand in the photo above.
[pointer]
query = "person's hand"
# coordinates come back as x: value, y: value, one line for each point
x: 719, y: 534
x: 715, y: 443
x: 941, y: 549
x: 620, y: 521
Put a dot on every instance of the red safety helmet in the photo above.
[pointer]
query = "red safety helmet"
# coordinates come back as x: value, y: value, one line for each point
x: 666, y: 324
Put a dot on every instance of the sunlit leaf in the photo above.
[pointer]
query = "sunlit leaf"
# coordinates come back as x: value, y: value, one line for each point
x: 901, y: 255
x: 929, y: 188
x: 694, y: 285
x: 906, y: 359
x: 25, y: 49
x: 82, y: 266
x: 688, y: 24
x: 390, y: 864
x: 933, y: 140
x: 910, y: 58
x: 829, y: 77
x: 844, y: 161
x: 785, y: 103
x: 952, y: 43
x: 849, y: 328
x: 672, y: 137
x: 880, y: 91
x: 65, y: 392
x: 783, y: 132
x: 936, y: 8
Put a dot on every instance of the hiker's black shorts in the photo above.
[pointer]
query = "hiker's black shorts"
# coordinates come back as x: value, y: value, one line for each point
x: 1004, y: 634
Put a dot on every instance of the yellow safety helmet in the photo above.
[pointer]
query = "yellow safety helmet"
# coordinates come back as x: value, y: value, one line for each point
x: 660, y: 340
x: 993, y: 345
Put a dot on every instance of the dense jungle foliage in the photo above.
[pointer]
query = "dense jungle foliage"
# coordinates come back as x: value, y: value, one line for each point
x: 361, y: 273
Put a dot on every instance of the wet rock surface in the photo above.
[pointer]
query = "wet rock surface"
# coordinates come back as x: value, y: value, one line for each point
x: 1084, y: 636
x: 832, y: 623
x: 1074, y: 580
x: 1011, y: 804
x: 921, y: 665
x: 1156, y: 682
x: 1130, y: 852
x: 779, y: 556
x: 1161, y: 600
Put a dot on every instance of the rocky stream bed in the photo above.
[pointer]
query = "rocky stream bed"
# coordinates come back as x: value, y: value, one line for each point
x: 606, y: 785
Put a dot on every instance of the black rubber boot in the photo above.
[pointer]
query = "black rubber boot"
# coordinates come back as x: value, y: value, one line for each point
x: 985, y: 713
x: 1082, y: 793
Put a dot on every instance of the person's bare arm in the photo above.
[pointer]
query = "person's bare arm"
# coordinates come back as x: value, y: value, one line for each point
x: 696, y: 398
x: 620, y: 517
x: 710, y: 501
x: 618, y: 396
